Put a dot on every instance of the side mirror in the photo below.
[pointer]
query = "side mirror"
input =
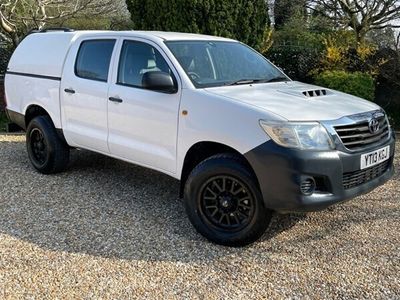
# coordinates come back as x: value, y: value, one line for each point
x: 159, y: 81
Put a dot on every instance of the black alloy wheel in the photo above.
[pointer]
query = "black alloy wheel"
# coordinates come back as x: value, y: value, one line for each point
x: 47, y: 152
x: 224, y: 203
x: 38, y: 146
x: 227, y: 203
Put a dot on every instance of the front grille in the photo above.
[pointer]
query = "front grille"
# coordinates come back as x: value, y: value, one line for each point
x: 358, y: 136
x: 353, y: 179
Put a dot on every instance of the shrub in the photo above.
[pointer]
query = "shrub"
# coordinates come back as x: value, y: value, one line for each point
x: 3, y: 121
x: 5, y: 54
x: 295, y: 60
x: 296, y: 50
x: 342, y: 53
x: 244, y: 20
x: 393, y: 111
x: 286, y: 10
x: 358, y: 84
x: 2, y: 102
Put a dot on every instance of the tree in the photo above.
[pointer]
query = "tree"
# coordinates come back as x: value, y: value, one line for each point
x: 383, y: 38
x: 17, y: 17
x: 285, y: 10
x: 360, y: 15
x: 245, y: 20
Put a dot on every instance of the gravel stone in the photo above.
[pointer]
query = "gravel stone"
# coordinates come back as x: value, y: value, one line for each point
x: 106, y: 229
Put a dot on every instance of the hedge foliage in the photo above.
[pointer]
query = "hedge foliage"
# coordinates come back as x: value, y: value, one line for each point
x: 297, y: 62
x: 244, y: 20
x: 285, y: 10
x: 358, y: 84
x: 5, y: 54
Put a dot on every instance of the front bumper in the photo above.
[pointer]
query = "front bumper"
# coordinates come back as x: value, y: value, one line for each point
x: 280, y: 171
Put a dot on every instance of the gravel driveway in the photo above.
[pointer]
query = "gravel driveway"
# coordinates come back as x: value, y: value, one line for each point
x: 107, y: 229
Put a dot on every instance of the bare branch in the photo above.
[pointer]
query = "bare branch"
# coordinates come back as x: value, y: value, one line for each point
x: 19, y: 16
x: 360, y: 15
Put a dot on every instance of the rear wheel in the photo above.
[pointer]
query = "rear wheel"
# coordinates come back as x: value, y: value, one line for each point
x: 224, y: 203
x: 47, y: 152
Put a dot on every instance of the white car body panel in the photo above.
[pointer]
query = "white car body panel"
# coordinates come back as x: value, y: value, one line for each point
x: 84, y: 114
x: 278, y: 97
x: 23, y: 92
x: 143, y: 128
x: 221, y: 120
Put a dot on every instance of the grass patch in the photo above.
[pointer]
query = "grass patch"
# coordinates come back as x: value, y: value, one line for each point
x: 3, y: 121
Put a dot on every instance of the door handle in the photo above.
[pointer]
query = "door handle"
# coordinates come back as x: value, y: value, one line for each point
x: 69, y: 91
x: 114, y: 99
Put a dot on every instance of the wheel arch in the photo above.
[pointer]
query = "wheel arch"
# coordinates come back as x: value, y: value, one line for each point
x: 200, y: 151
x: 35, y: 110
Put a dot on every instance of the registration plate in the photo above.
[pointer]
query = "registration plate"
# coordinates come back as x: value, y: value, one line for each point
x: 375, y: 157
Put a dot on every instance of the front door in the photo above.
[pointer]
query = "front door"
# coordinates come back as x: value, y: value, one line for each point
x: 142, y: 124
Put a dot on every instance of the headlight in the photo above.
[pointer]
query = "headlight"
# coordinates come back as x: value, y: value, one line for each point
x: 300, y: 135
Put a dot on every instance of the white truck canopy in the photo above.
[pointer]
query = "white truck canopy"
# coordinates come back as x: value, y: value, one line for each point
x: 42, y: 54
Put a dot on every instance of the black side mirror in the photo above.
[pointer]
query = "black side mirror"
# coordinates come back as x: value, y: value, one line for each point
x: 159, y: 81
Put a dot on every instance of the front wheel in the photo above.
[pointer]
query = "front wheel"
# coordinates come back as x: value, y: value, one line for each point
x: 224, y: 203
x: 47, y: 152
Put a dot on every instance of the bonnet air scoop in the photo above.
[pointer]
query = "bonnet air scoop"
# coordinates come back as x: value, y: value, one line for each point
x: 315, y: 93
x: 309, y: 94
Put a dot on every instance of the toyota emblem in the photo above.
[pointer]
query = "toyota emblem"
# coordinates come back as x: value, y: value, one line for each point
x: 373, y: 125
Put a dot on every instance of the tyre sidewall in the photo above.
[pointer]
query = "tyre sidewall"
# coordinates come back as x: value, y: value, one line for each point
x: 231, y: 167
x: 46, y: 127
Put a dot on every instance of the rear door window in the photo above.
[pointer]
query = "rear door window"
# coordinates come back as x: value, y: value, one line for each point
x: 93, y: 60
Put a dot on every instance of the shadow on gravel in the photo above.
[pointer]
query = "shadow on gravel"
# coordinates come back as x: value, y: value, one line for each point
x: 105, y: 207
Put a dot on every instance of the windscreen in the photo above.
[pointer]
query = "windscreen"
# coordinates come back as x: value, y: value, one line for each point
x: 211, y: 64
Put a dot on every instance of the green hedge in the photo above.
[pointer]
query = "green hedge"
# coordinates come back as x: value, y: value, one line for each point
x: 244, y: 20
x: 3, y: 121
x: 296, y: 62
x: 5, y: 54
x: 393, y: 112
x: 358, y: 84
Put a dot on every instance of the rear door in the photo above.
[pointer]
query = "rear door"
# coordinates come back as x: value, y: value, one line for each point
x: 84, y: 91
x: 143, y: 124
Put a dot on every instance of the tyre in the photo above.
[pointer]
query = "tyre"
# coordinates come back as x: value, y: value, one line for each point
x: 224, y: 203
x: 47, y: 152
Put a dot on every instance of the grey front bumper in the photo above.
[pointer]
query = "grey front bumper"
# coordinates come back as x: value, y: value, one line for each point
x: 280, y: 171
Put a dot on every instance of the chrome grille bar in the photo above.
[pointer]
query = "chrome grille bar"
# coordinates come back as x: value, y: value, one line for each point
x: 357, y: 136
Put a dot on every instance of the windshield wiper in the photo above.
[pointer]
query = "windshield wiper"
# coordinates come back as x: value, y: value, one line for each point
x: 277, y: 79
x: 242, y: 81
x: 249, y: 81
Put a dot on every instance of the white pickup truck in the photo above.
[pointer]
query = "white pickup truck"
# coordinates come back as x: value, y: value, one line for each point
x: 243, y: 139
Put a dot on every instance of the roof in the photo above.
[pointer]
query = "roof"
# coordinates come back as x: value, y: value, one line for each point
x: 154, y: 35
x: 175, y: 36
